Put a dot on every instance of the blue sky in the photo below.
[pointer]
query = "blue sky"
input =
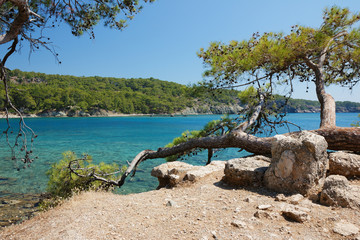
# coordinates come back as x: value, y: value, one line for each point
x: 162, y: 41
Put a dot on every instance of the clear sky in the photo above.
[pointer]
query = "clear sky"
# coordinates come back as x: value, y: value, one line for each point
x: 162, y: 40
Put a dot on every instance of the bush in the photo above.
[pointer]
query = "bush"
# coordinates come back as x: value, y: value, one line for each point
x: 63, y: 183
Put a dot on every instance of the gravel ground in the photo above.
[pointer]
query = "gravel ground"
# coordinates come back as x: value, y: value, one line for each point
x: 207, y: 209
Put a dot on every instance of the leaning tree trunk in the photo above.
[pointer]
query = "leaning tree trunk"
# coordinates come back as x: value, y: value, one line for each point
x: 337, y: 138
x: 327, y: 106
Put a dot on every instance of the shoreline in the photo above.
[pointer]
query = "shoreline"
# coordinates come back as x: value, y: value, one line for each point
x: 110, y: 115
x: 14, y: 116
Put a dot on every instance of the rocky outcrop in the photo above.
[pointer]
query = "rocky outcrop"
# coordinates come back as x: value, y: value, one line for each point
x: 299, y: 164
x: 338, y: 191
x: 51, y: 113
x: 246, y: 171
x: 74, y: 113
x: 345, y: 164
x: 212, y: 109
x: 173, y: 173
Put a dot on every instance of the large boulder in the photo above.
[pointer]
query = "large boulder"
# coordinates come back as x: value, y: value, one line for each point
x: 299, y: 163
x: 246, y: 171
x: 172, y: 173
x: 345, y: 164
x: 338, y: 191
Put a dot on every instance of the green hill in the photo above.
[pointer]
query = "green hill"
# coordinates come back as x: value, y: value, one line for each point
x: 40, y: 93
x: 36, y: 92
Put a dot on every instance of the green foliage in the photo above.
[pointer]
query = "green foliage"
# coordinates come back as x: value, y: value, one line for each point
x: 62, y: 182
x: 248, y: 94
x: 81, y: 16
x: 211, y: 129
x: 277, y: 58
x: 36, y: 92
x: 356, y: 124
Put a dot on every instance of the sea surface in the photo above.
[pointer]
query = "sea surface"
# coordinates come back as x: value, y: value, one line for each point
x: 114, y: 139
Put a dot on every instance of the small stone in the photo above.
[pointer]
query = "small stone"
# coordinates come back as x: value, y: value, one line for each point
x: 171, y: 203
x: 345, y: 229
x: 238, y: 223
x: 262, y: 214
x: 237, y: 210
x: 213, y: 233
x: 295, y: 199
x: 295, y: 215
x: 28, y: 205
x: 280, y: 198
x: 264, y: 207
x: 249, y: 200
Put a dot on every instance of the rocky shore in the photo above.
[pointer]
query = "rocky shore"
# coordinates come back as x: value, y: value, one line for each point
x: 196, y: 110
x: 301, y: 192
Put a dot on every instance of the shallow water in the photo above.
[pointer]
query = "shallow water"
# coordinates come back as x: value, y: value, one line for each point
x: 113, y: 139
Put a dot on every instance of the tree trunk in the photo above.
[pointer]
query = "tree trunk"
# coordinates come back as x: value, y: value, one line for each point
x: 337, y: 138
x: 341, y: 138
x: 17, y: 25
x: 328, y: 108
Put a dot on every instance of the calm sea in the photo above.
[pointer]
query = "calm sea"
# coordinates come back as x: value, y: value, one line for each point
x: 113, y: 139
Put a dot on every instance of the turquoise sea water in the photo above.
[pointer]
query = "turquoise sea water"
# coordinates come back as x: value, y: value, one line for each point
x: 113, y: 139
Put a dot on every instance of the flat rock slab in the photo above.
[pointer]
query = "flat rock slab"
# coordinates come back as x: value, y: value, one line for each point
x: 345, y: 164
x: 172, y: 173
x: 246, y: 171
x: 345, y: 229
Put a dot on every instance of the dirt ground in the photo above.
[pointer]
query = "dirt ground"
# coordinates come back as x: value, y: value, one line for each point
x: 207, y: 209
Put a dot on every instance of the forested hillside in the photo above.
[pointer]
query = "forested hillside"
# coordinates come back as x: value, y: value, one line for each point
x: 38, y: 92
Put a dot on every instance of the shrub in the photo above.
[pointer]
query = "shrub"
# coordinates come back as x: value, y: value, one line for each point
x: 63, y: 183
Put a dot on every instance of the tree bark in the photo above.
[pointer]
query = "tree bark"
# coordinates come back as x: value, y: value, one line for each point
x: 338, y: 138
x: 17, y: 25
x: 341, y: 138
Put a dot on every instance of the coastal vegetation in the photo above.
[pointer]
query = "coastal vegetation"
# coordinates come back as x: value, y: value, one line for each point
x: 24, y: 22
x: 322, y: 56
x: 63, y: 183
x: 39, y: 92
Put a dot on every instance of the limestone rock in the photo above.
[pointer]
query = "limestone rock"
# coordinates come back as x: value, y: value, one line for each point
x: 264, y: 207
x: 172, y: 173
x: 295, y: 199
x: 345, y: 229
x: 295, y: 214
x: 262, y: 214
x: 200, y: 172
x: 238, y: 223
x: 345, y: 164
x: 299, y: 163
x: 246, y: 171
x: 337, y: 191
